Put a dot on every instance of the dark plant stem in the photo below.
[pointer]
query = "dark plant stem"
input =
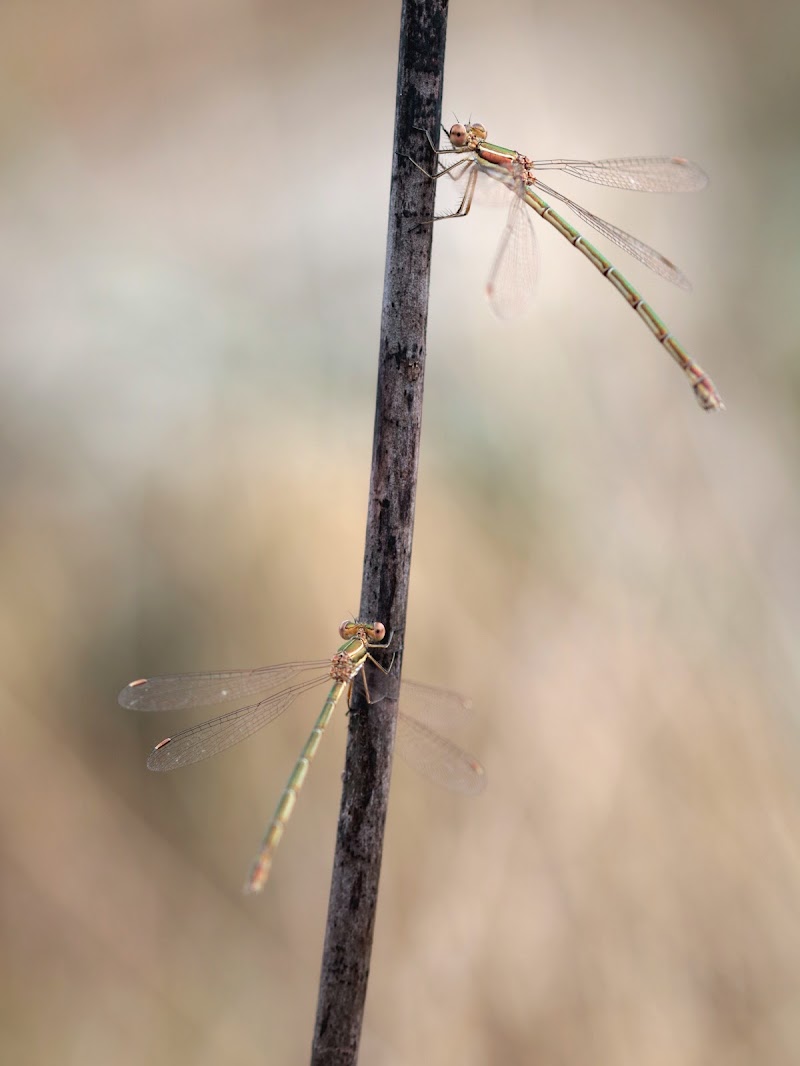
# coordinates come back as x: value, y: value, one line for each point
x: 390, y: 525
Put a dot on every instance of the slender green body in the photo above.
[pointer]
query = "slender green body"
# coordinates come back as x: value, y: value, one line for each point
x: 704, y: 390
x: 346, y: 664
x: 283, y: 812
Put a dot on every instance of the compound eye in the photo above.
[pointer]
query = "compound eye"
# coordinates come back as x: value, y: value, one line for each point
x: 479, y: 131
x: 458, y: 135
x: 346, y: 629
x: 379, y: 631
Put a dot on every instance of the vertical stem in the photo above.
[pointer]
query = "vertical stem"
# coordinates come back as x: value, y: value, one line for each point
x: 390, y: 524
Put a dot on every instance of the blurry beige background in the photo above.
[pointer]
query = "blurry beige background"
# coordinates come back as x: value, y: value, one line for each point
x: 192, y: 234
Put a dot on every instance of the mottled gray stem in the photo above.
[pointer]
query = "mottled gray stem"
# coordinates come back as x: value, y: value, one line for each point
x: 390, y: 525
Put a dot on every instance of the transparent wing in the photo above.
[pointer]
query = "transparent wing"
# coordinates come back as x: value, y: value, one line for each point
x: 512, y: 278
x: 177, y: 692
x: 455, y: 188
x: 421, y: 708
x: 645, y: 174
x: 657, y: 262
x: 437, y: 758
x: 494, y: 186
x: 438, y: 707
x: 209, y: 738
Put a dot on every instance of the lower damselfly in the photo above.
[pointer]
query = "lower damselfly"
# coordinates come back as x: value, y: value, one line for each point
x: 422, y: 746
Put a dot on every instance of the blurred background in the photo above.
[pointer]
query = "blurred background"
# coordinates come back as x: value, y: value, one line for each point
x: 193, y: 205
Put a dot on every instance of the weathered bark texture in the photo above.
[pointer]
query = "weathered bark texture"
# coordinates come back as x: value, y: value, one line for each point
x: 390, y: 524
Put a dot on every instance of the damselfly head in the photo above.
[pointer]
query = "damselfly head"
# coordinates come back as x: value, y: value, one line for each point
x: 466, y: 136
x: 374, y: 632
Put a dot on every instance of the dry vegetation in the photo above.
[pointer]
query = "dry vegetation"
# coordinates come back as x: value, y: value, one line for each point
x: 187, y: 379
